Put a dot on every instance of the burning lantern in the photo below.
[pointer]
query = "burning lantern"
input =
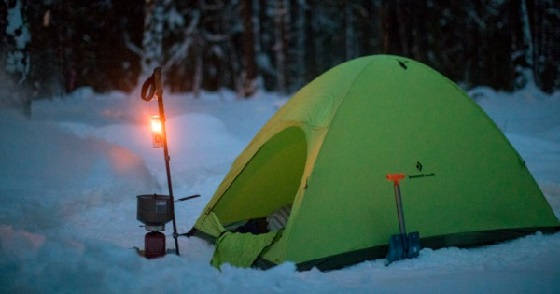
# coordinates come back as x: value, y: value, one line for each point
x: 157, y: 135
x: 155, y: 210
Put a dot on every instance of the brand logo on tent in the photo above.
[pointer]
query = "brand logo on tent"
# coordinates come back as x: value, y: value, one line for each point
x: 419, y: 166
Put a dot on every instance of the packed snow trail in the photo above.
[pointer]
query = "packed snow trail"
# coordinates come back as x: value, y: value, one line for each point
x: 69, y: 178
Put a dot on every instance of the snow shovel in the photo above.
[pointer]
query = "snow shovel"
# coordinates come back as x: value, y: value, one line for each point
x: 401, y: 245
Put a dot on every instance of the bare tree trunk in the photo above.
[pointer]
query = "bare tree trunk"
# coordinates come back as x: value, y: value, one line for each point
x: 349, y: 37
x: 310, y: 43
x: 236, y: 64
x: 257, y: 26
x: 258, y: 45
x: 3, y: 20
x: 386, y: 25
x: 279, y: 46
x: 417, y: 21
x: 403, y: 21
x: 528, y: 38
x: 197, y: 79
x: 537, y: 38
x: 67, y: 46
x: 249, y: 64
x: 300, y: 43
x: 3, y: 37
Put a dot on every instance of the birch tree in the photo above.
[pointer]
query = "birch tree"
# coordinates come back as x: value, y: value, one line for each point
x: 18, y: 38
x: 153, y: 36
x: 17, y: 60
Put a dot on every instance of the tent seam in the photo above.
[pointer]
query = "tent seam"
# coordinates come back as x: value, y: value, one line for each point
x: 327, y: 127
x: 311, y: 125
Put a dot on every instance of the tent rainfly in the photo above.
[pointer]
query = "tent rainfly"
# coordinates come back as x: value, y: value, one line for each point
x: 310, y: 188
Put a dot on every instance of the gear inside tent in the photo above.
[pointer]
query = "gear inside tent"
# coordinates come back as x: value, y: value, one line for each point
x: 310, y: 187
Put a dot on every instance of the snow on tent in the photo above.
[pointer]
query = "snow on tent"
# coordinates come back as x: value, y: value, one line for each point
x: 310, y: 187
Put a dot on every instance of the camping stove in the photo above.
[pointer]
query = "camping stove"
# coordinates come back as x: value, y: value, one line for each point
x: 154, y: 211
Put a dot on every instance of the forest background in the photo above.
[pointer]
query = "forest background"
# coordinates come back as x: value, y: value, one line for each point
x: 52, y: 47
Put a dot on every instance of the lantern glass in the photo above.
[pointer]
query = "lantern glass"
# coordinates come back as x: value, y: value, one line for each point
x: 157, y: 134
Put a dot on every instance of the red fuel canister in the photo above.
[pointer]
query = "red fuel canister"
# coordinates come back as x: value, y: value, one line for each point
x: 154, y: 243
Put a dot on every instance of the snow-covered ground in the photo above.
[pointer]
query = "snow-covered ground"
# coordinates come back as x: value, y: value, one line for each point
x: 69, y: 176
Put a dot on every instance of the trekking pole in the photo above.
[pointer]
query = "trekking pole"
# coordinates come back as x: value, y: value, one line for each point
x: 153, y: 86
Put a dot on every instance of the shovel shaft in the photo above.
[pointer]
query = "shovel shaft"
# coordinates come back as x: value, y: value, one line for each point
x: 400, y: 212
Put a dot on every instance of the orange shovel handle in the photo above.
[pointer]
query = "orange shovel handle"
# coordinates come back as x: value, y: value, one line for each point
x: 395, y: 178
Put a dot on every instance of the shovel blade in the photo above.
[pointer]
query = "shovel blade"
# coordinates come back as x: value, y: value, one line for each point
x: 396, y: 249
x: 413, y: 245
x: 403, y: 246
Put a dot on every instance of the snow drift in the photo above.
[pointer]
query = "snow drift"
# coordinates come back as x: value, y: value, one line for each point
x: 69, y: 177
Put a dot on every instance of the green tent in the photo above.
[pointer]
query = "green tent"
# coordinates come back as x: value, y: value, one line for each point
x: 324, y: 155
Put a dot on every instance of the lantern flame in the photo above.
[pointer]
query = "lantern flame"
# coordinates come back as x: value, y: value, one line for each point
x: 156, y: 124
x: 157, y: 135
